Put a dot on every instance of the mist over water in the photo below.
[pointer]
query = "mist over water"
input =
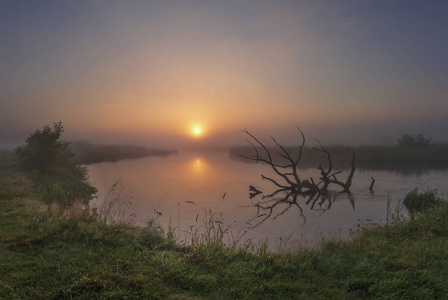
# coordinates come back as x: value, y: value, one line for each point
x: 164, y: 187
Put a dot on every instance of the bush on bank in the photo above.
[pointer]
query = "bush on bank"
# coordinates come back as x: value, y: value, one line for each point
x: 50, y: 164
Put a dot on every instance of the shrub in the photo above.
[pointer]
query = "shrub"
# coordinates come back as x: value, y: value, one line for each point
x: 51, y: 165
x: 416, y: 202
x: 52, y: 192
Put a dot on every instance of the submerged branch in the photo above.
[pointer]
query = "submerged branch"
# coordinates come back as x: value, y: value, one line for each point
x: 371, y: 184
x: 290, y: 181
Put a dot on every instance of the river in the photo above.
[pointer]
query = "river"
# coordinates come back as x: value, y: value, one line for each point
x: 181, y: 191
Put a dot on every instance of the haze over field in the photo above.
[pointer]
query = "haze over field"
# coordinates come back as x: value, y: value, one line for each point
x: 194, y: 73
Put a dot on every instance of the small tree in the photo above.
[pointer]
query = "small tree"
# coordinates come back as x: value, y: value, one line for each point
x: 45, y: 153
x: 51, y: 164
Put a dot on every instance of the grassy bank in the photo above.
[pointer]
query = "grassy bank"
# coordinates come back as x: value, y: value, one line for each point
x: 75, y: 254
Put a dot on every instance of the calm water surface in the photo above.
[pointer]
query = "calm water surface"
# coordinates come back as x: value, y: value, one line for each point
x: 217, y: 183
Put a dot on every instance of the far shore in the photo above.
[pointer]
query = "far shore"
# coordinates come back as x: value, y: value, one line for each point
x: 87, y: 153
x: 389, y: 158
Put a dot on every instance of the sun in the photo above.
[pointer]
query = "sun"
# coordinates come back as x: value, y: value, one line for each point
x: 197, y: 131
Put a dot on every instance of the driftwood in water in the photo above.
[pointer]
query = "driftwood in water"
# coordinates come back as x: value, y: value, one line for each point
x: 288, y: 179
x: 371, y: 184
x: 330, y: 178
x: 253, y: 191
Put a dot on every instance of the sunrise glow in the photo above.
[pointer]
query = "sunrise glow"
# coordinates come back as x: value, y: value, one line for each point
x: 197, y: 131
x: 175, y: 74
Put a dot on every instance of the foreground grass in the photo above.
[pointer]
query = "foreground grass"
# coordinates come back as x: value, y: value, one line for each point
x: 44, y: 255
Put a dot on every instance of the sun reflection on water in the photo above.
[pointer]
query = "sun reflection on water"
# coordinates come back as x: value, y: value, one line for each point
x: 198, y: 166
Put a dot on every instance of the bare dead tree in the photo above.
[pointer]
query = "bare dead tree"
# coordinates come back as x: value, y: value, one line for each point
x: 291, y: 189
x: 330, y: 178
x: 287, y: 172
x: 253, y: 191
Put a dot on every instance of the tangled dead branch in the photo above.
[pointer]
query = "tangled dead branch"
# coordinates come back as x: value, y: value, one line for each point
x: 288, y: 178
x: 330, y: 178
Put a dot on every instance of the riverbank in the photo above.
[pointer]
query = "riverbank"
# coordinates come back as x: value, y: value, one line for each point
x: 75, y: 254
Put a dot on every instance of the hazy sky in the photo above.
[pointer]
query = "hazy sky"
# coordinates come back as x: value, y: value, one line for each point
x: 148, y: 72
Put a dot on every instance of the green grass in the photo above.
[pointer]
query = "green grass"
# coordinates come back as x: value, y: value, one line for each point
x: 76, y: 255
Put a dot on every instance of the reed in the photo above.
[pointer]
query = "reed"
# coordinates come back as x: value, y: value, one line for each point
x: 394, y: 214
x: 211, y: 230
x: 115, y: 206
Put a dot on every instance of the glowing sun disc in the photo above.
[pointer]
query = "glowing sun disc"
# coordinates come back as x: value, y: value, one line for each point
x: 197, y: 131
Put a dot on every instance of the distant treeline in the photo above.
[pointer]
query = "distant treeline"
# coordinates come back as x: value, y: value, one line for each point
x: 398, y: 158
x: 89, y: 153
